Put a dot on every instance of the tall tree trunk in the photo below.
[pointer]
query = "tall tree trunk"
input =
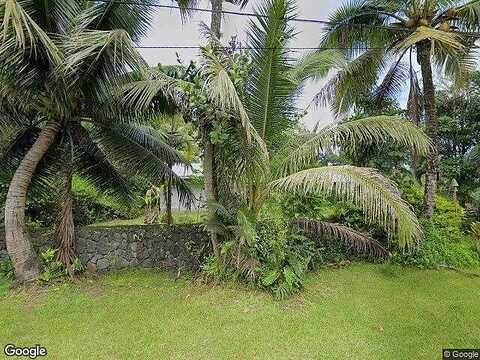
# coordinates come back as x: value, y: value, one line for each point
x: 66, y: 228
x: 209, y: 161
x: 65, y: 233
x: 424, y: 59
x: 210, y: 190
x: 19, y: 247
x: 216, y: 19
x: 168, y: 201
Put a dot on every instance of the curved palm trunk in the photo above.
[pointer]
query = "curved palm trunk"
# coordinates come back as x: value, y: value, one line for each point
x: 424, y: 59
x: 19, y: 247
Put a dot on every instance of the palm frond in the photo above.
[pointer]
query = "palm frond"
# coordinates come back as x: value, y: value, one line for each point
x: 28, y: 35
x: 475, y: 154
x: 140, y: 151
x: 360, y: 242
x: 134, y: 17
x: 345, y: 26
x: 93, y: 165
x: 393, y: 82
x: 353, y: 82
x: 316, y: 65
x: 220, y: 88
x: 55, y: 16
x: 101, y: 56
x: 140, y: 94
x: 356, y: 134
x: 270, y: 94
x: 426, y: 33
x: 415, y: 103
x: 377, y: 196
x: 457, y: 64
x: 222, y: 92
x: 469, y: 16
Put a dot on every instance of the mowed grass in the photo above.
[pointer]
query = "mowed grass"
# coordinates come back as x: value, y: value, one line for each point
x: 359, y: 312
x: 179, y: 218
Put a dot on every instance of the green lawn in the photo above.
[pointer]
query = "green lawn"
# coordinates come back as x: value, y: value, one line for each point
x: 179, y: 218
x: 360, y: 312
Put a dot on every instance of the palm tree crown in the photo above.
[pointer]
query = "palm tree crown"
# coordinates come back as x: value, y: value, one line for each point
x: 382, y: 36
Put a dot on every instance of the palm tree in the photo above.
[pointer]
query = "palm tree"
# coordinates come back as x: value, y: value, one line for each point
x: 179, y: 134
x: 209, y: 152
x: 59, y: 64
x: 258, y: 159
x: 99, y: 155
x: 382, y: 37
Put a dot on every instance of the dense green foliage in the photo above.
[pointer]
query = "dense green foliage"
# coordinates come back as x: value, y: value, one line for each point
x: 54, y: 269
x: 281, y: 200
x: 447, y: 239
x: 459, y: 131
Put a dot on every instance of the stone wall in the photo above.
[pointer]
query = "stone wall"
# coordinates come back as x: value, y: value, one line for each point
x: 110, y: 248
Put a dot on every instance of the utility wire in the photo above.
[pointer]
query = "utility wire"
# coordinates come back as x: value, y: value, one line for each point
x: 261, y: 48
x: 240, y: 47
x: 248, y: 14
x: 225, y: 12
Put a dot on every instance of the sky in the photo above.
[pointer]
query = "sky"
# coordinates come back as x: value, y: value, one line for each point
x: 168, y: 30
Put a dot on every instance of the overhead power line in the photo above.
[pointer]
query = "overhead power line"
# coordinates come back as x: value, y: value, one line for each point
x: 197, y: 47
x: 225, y: 12
x: 249, y: 14
x: 246, y: 47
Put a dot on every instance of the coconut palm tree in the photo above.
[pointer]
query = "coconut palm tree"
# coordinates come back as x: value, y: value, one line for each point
x: 383, y: 38
x: 210, y: 166
x: 179, y: 134
x: 257, y: 158
x: 59, y: 65
x: 100, y: 156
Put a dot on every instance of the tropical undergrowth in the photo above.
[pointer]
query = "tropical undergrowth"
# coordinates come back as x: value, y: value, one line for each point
x: 448, y: 239
x: 272, y: 253
x: 266, y: 252
x: 52, y: 269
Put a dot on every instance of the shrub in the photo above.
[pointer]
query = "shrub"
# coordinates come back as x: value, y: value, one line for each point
x: 442, y: 246
x: 54, y: 269
x: 275, y: 258
x: 6, y: 269
x: 285, y: 257
x: 476, y: 235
